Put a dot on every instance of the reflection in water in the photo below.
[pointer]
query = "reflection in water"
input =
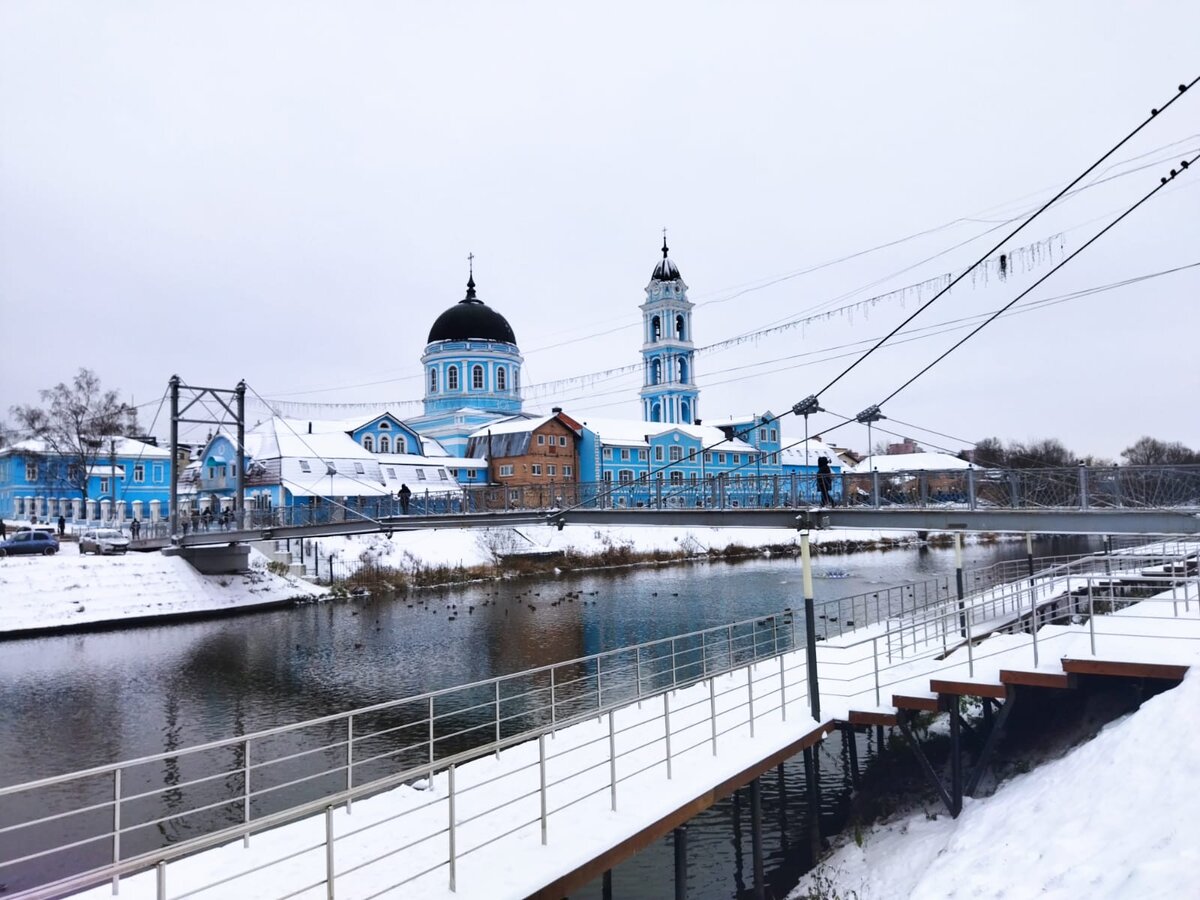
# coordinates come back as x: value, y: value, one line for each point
x: 125, y: 694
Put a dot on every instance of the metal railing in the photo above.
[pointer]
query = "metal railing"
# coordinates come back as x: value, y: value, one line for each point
x: 89, y: 827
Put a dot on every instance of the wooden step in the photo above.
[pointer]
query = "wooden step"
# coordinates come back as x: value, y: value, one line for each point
x: 923, y: 704
x: 1124, y: 669
x: 1036, y: 678
x: 858, y: 717
x: 968, y: 688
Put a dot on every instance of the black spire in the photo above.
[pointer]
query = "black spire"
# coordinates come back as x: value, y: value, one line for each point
x: 471, y: 280
x: 664, y: 243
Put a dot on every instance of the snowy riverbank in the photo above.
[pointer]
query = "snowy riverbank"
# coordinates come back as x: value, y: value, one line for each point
x: 69, y: 591
x: 1114, y: 818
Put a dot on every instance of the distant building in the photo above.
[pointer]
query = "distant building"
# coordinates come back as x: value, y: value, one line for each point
x: 128, y: 478
x: 535, y: 459
x: 907, y: 445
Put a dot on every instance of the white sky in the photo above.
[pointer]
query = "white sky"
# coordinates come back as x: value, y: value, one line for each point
x: 287, y: 193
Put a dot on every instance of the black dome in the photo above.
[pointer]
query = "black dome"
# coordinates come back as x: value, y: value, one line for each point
x: 470, y: 319
x: 665, y: 270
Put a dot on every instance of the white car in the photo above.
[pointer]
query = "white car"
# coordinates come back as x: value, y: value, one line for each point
x: 103, y: 540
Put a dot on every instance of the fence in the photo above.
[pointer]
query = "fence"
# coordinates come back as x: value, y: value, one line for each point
x: 89, y: 827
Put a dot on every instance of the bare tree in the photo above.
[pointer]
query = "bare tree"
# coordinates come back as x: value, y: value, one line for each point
x: 1148, y: 451
x: 72, y: 423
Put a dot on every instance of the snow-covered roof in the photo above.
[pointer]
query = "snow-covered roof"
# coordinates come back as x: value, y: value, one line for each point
x: 276, y: 438
x: 105, y: 471
x: 513, y: 425
x: 124, y: 446
x: 912, y: 462
x: 807, y: 453
x: 634, y: 433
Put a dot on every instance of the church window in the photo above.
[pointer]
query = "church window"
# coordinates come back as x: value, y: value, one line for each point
x: 433, y: 381
x: 655, y: 372
x: 385, y: 444
x: 683, y: 374
x: 656, y: 412
x: 452, y: 378
x: 685, y: 412
x: 501, y: 379
x: 516, y: 379
x: 368, y: 443
x: 385, y: 426
x: 401, y: 444
x: 477, y: 378
x: 679, y: 328
x: 655, y: 328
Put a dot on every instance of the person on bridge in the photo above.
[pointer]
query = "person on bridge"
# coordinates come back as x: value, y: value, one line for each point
x: 824, y: 480
x: 404, y: 495
x: 62, y: 526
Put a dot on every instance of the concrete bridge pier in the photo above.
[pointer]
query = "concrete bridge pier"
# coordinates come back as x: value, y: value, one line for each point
x: 215, y: 559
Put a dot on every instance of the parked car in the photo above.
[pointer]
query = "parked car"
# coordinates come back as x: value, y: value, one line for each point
x: 103, y: 540
x: 31, y: 541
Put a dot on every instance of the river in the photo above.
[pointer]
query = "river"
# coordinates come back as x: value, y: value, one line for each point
x: 86, y: 699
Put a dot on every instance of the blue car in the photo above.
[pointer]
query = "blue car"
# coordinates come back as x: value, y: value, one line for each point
x: 42, y: 542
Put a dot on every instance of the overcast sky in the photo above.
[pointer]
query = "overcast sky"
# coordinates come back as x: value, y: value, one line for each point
x: 287, y: 193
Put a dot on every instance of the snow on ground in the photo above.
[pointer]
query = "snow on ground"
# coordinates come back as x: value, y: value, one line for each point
x: 1114, y: 818
x: 481, y: 546
x: 68, y: 589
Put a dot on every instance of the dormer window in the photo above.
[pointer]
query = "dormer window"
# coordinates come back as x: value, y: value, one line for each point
x: 368, y: 443
x: 385, y: 426
x: 305, y: 467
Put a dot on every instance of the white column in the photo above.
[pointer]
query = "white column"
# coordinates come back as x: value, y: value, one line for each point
x: 91, y: 510
x: 155, y: 510
x: 105, y: 510
x: 119, y: 510
x: 76, y: 508
x: 137, y: 509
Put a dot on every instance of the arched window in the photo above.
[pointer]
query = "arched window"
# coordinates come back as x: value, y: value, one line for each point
x: 655, y: 329
x: 683, y: 373
x: 385, y: 444
x: 679, y: 328
x: 685, y: 412
x: 452, y: 378
x: 368, y: 443
x: 385, y: 426
x: 433, y: 381
x: 517, y: 380
x: 477, y: 378
x: 401, y: 444
x: 656, y: 412
x: 501, y: 379
x: 655, y: 372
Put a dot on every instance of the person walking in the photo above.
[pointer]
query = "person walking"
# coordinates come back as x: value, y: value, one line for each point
x: 824, y: 480
x: 135, y: 529
x: 3, y: 530
x: 405, y: 495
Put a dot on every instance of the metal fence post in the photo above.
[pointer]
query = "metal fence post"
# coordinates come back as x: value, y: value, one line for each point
x: 453, y: 860
x: 729, y: 645
x: 1091, y: 618
x: 712, y: 711
x: 667, y: 723
x: 782, y: 689
x: 638, y: 656
x: 349, y: 761
x: 246, y: 790
x: 612, y: 760
x: 160, y: 880
x: 431, y: 736
x: 875, y: 660
x: 674, y: 672
x: 750, y: 691
x: 116, y: 882
x: 542, y: 778
x: 329, y: 852
x: 810, y: 623
x: 553, y: 712
x: 497, y: 719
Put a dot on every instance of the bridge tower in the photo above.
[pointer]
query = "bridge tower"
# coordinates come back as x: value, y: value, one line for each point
x: 669, y: 392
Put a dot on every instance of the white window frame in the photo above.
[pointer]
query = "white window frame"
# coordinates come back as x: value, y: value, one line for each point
x: 385, y: 443
x: 607, y: 476
x: 478, y: 379
x: 104, y: 485
x: 158, y: 473
x: 501, y: 379
x: 305, y: 467
x: 31, y: 471
x: 368, y: 443
x: 433, y: 380
x: 535, y: 469
x: 551, y: 470
x: 625, y: 476
x: 506, y: 471
x: 420, y: 474
x: 625, y: 454
x: 359, y: 469
x: 452, y: 378
x: 568, y: 471
x: 541, y: 440
x: 658, y: 453
x: 562, y: 440
x: 139, y: 473
x: 676, y: 454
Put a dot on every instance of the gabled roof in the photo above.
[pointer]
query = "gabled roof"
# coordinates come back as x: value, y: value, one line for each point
x: 633, y: 433
x: 125, y: 447
x: 912, y: 462
x: 807, y: 453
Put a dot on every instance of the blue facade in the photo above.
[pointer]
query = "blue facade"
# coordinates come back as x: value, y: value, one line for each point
x: 35, y: 482
x: 387, y: 434
x: 669, y: 392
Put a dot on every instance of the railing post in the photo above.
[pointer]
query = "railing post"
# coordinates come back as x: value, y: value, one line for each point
x: 1083, y: 486
x: 160, y: 880
x: 553, y: 711
x: 971, y: 487
x: 349, y: 760
x: 638, y: 657
x: 674, y: 672
x: 542, y: 779
x: 612, y: 760
x: 810, y: 624
x: 667, y: 725
x: 246, y: 789
x: 712, y: 711
x: 431, y: 737
x: 116, y: 882
x: 453, y: 860
x: 729, y: 645
x: 958, y: 580
x: 1033, y: 623
x: 875, y: 488
x: 970, y: 647
x: 750, y: 692
x: 875, y: 660
x: 782, y: 689
x: 1091, y: 618
x: 329, y: 853
x: 497, y: 718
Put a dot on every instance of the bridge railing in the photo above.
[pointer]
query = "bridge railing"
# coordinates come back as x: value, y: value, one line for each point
x: 656, y: 705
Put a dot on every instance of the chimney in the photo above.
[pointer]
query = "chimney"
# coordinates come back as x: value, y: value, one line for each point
x: 556, y: 410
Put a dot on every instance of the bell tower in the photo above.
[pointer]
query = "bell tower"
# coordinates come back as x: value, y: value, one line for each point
x: 669, y: 392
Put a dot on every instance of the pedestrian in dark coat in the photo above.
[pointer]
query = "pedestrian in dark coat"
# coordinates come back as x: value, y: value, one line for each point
x: 62, y: 526
x: 824, y: 480
x: 405, y: 496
